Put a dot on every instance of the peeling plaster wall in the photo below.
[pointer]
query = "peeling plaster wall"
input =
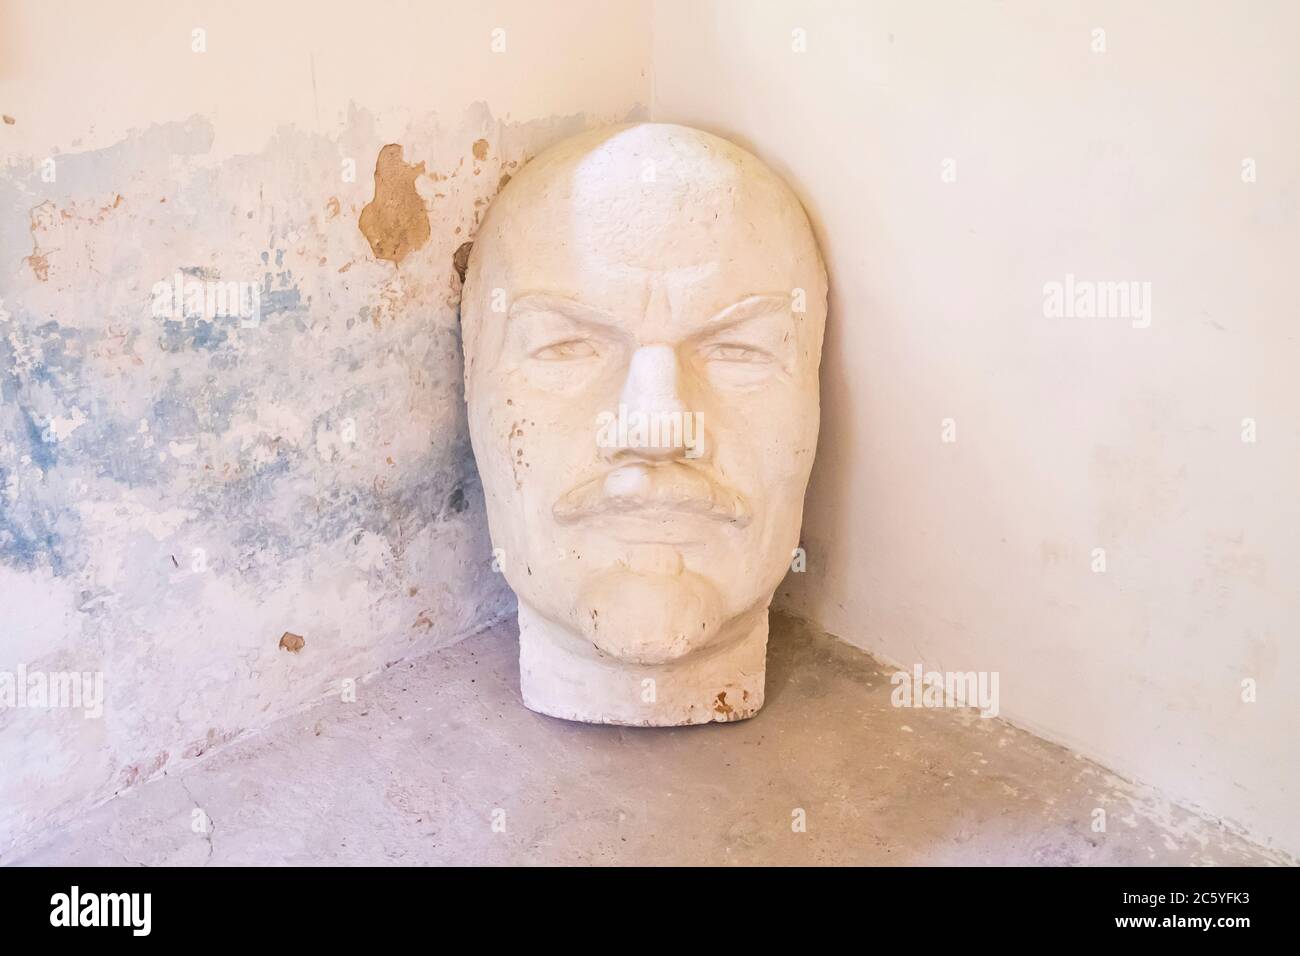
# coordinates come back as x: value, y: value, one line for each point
x: 1071, y: 434
x: 229, y: 516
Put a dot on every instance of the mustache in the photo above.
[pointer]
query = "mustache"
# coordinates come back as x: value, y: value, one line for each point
x: 671, y: 486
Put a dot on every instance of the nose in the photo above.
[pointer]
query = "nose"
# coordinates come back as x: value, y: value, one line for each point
x: 659, y: 427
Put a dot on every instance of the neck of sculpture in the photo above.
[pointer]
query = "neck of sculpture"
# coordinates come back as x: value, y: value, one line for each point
x: 562, y: 675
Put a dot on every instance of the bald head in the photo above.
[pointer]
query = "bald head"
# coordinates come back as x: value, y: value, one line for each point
x: 619, y: 215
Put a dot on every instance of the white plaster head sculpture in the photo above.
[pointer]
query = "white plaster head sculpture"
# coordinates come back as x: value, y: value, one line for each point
x: 643, y: 315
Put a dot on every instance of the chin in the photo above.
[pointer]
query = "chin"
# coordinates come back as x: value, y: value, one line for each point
x: 648, y: 618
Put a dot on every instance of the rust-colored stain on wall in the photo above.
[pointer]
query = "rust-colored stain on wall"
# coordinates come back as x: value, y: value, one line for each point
x: 460, y: 260
x: 40, y: 266
x: 291, y: 642
x: 395, y: 222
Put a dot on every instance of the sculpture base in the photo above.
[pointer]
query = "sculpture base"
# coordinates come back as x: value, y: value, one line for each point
x: 562, y: 675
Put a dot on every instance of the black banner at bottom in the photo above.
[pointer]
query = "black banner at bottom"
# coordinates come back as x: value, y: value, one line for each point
x: 335, y: 906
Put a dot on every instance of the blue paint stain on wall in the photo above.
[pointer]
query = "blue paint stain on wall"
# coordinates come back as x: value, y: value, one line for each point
x: 40, y: 447
x: 26, y: 541
x: 281, y: 300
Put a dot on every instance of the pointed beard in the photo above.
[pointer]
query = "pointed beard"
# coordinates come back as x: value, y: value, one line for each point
x: 648, y: 618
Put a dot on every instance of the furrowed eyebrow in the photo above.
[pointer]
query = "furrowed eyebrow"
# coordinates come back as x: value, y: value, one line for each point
x: 561, y: 305
x: 747, y: 308
x: 750, y: 307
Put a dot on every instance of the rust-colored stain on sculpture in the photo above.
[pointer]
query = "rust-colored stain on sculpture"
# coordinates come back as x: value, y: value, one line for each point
x: 395, y: 222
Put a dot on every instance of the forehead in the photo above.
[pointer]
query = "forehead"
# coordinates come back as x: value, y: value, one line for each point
x: 689, y: 224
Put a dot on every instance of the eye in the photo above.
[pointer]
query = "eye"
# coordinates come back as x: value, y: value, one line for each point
x: 734, y: 352
x: 565, y: 351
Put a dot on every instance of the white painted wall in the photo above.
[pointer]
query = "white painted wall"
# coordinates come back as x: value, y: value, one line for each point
x: 80, y: 75
x: 1072, y: 434
x: 176, y: 494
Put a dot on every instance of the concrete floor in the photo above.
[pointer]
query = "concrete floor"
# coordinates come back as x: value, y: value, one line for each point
x: 437, y: 749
